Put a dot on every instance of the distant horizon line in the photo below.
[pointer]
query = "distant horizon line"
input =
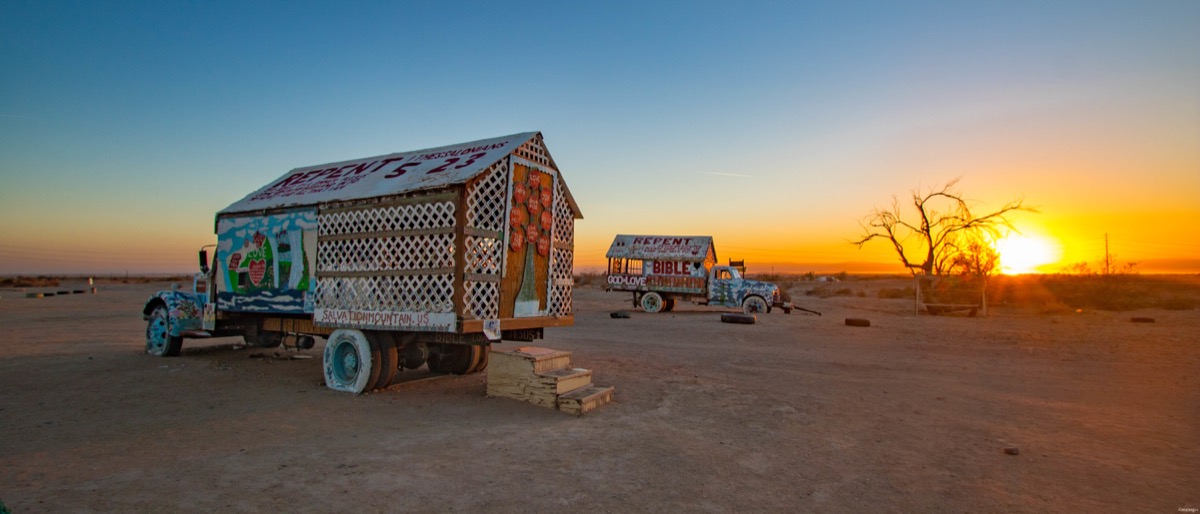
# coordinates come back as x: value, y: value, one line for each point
x: 583, y: 270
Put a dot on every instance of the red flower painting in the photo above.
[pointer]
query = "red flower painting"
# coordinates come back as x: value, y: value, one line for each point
x: 531, y: 218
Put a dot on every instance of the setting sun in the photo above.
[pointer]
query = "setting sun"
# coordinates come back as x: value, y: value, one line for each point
x: 1020, y: 253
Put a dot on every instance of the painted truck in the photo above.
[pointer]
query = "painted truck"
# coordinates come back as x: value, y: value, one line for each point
x: 659, y: 270
x: 402, y: 260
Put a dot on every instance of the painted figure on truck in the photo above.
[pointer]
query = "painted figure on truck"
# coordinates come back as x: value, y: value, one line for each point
x: 421, y: 258
x: 659, y: 270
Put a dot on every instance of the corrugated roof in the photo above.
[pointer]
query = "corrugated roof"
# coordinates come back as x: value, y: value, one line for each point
x: 673, y: 248
x: 384, y: 175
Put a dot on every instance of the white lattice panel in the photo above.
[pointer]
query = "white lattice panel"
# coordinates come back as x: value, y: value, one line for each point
x: 561, y: 282
x: 564, y: 217
x: 427, y: 251
x: 416, y: 216
x: 563, y: 254
x: 393, y: 270
x: 485, y: 255
x: 413, y: 293
x: 535, y: 150
x: 482, y: 300
x: 485, y: 199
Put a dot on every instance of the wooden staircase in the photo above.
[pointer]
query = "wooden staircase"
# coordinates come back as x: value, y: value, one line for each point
x: 542, y: 376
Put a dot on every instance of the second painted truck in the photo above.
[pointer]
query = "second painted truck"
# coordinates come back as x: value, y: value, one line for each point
x: 660, y: 270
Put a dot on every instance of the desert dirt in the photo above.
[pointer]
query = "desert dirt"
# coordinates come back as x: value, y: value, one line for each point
x: 794, y: 413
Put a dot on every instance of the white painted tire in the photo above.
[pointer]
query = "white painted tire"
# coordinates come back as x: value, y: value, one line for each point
x: 652, y: 302
x: 347, y: 361
x: 755, y: 305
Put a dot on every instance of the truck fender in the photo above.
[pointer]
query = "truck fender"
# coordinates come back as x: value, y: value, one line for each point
x: 186, y: 310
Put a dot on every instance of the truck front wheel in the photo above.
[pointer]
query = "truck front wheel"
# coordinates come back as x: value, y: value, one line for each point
x: 159, y: 341
x: 652, y: 302
x: 755, y: 305
x: 348, y: 361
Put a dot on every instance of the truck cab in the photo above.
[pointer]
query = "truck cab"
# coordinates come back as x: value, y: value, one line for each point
x: 727, y: 287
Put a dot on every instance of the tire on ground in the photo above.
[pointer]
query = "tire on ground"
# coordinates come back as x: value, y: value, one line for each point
x: 738, y: 317
x: 858, y: 322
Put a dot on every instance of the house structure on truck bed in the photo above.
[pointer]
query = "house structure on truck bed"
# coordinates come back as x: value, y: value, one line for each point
x: 400, y: 260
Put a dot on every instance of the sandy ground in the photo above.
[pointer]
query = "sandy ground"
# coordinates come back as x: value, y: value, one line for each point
x: 794, y: 413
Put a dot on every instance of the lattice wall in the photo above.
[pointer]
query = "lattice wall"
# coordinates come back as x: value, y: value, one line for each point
x: 535, y: 150
x: 395, y: 257
x: 484, y: 252
x: 562, y: 253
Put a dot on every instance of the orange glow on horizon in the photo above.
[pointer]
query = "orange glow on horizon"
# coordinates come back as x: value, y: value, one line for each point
x: 1027, y: 253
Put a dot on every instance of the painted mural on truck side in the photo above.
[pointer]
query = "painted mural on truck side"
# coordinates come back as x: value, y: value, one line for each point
x: 267, y: 263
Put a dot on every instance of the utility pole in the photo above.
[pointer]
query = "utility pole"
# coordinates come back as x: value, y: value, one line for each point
x: 1107, y: 258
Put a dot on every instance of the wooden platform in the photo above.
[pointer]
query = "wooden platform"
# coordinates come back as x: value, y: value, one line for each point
x: 544, y: 377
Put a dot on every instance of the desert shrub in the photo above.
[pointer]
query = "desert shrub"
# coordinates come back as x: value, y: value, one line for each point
x: 783, y: 280
x: 1021, y: 291
x: 952, y: 289
x: 1103, y: 292
x: 40, y: 281
x: 828, y: 291
x: 589, y: 280
x: 145, y: 279
x: 896, y: 293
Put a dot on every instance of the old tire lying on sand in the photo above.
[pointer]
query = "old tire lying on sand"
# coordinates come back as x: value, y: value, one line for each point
x: 858, y: 322
x: 739, y: 318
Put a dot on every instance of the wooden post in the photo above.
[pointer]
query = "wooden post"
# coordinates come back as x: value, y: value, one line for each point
x: 917, y: 298
x: 983, y: 297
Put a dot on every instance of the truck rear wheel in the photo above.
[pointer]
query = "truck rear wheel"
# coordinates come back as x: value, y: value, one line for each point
x: 384, y: 346
x: 159, y: 341
x: 264, y: 339
x: 348, y: 361
x: 459, y: 359
x: 652, y: 302
x: 481, y: 362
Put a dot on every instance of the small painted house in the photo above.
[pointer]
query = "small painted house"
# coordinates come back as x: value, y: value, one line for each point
x: 443, y: 239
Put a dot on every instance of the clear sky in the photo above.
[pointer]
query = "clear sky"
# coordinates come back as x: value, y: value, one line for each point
x: 773, y: 126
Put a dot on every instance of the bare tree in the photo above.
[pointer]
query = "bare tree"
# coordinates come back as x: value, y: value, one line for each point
x: 941, y: 232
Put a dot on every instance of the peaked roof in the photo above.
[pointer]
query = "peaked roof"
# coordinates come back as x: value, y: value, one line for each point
x: 674, y: 248
x: 387, y: 175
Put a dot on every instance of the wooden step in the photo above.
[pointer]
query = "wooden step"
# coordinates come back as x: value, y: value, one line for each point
x: 583, y: 400
x: 537, y: 388
x: 532, y: 374
x: 540, y: 359
x: 566, y: 380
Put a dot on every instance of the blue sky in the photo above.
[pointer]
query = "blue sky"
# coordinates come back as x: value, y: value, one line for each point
x: 773, y: 126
